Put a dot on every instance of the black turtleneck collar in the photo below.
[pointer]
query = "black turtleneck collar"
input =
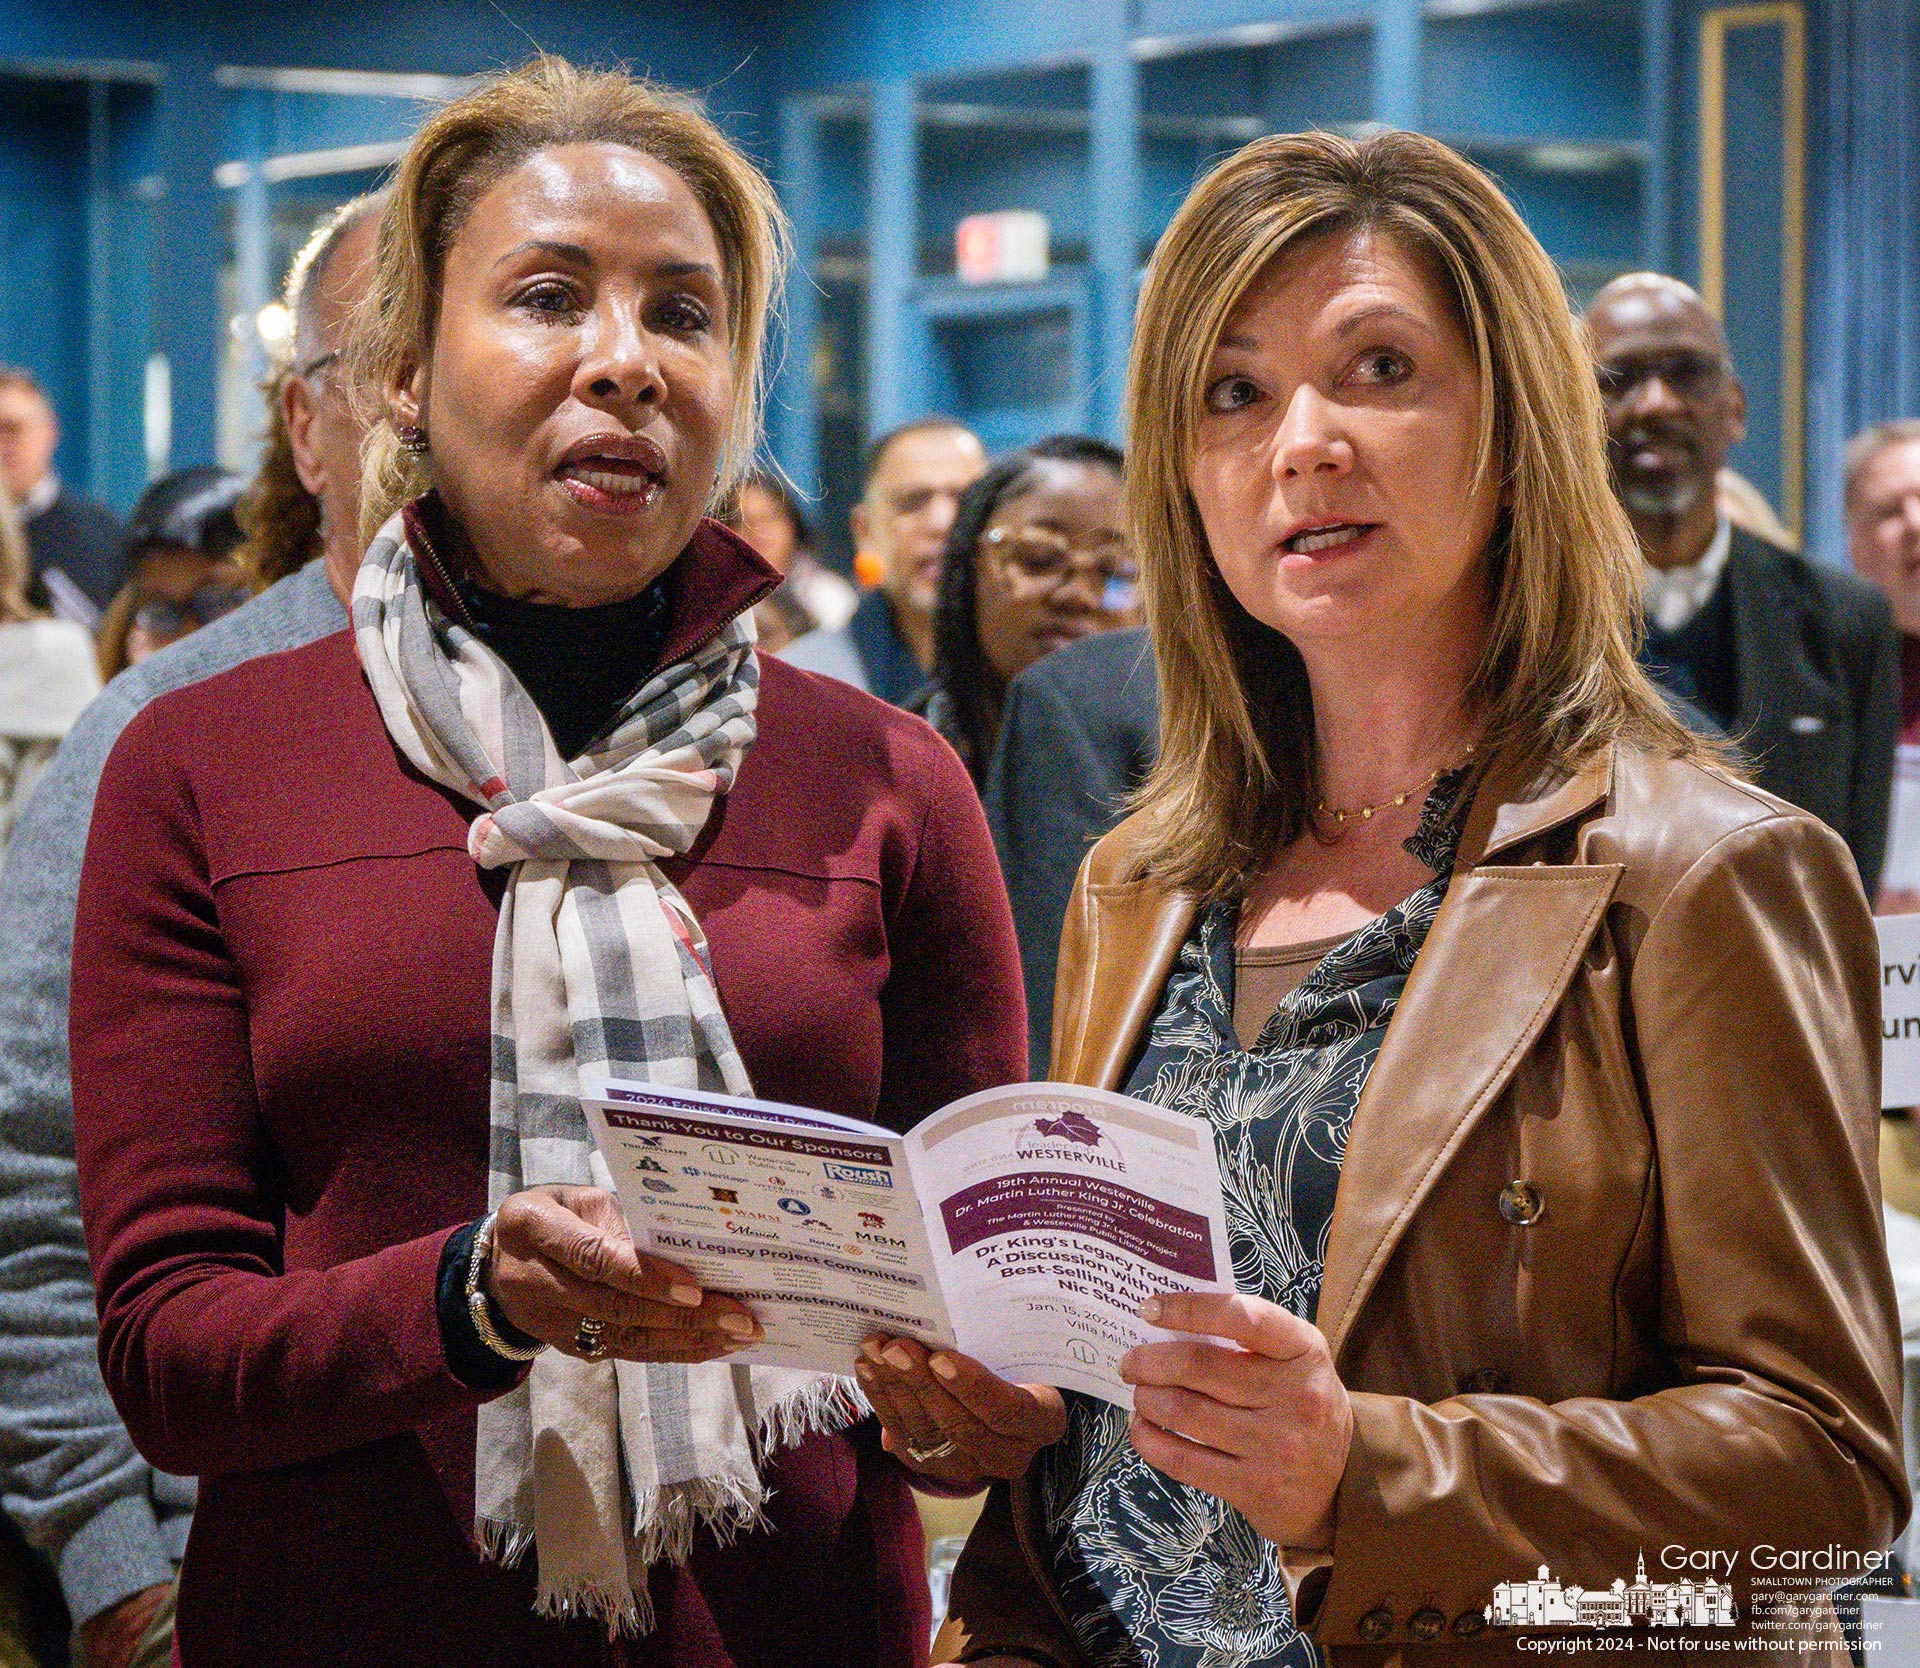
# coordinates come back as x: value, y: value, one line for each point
x: 579, y: 664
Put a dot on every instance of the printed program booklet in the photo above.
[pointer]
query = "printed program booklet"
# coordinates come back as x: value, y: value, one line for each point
x: 1022, y: 1226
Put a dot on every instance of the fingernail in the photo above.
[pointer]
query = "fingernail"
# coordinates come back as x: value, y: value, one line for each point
x: 739, y: 1326
x: 870, y: 1350
x: 688, y: 1297
x: 943, y: 1367
x: 897, y: 1354
x: 1150, y: 1311
x: 863, y: 1371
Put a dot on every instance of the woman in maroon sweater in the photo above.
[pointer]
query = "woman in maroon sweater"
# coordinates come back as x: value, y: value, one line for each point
x: 305, y: 1034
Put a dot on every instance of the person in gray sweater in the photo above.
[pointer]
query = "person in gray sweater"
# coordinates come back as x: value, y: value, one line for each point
x: 69, y: 1476
x: 72, y: 1481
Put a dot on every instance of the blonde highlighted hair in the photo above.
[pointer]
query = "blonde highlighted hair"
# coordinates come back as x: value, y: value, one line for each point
x: 473, y: 143
x: 1237, y: 772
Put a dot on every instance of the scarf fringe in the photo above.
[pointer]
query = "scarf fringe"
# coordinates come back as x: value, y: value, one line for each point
x: 628, y: 1614
x: 666, y: 1519
x: 502, y: 1541
x: 827, y: 1404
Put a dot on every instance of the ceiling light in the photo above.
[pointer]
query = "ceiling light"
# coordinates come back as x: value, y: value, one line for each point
x: 1571, y: 159
x: 275, y: 325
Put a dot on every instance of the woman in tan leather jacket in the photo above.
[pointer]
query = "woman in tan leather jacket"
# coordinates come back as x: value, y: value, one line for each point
x: 1540, y: 1049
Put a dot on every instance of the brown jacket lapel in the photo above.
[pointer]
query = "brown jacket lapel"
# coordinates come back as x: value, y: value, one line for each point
x: 1479, y: 995
x: 1118, y: 948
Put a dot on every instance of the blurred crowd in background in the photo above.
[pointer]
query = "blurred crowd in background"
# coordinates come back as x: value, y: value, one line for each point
x: 999, y: 596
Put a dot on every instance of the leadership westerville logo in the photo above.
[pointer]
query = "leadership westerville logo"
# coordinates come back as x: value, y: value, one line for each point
x: 1071, y: 1125
x: 1546, y: 1602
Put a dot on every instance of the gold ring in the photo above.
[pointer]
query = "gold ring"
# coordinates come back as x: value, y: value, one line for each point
x: 922, y: 1456
x: 590, y: 1339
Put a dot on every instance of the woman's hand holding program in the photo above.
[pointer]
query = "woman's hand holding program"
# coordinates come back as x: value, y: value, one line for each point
x: 951, y: 1419
x: 1250, y: 1411
x: 562, y: 1255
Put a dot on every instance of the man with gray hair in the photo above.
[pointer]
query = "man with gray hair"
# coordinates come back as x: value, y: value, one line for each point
x: 1883, y: 538
x: 1883, y: 515
x: 1795, y: 660
x: 114, y: 1527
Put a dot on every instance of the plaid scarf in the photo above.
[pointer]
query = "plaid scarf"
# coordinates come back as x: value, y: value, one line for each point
x: 599, y: 969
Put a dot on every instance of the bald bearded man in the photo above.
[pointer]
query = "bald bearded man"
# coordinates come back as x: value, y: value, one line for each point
x: 1798, y: 662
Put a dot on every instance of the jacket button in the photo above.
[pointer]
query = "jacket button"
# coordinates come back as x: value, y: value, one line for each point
x: 1521, y: 1204
x: 1485, y: 1381
x: 1469, y: 1624
x: 1427, y: 1625
x: 1375, y: 1625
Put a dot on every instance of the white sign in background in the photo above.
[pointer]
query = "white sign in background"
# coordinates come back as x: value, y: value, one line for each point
x: 1899, y: 1009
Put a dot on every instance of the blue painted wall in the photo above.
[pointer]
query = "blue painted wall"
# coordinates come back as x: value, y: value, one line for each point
x: 122, y: 286
x: 290, y: 121
x: 1585, y: 112
x: 977, y: 170
x: 43, y: 248
x: 1567, y: 75
x: 1755, y: 247
x: 1752, y: 309
x: 1863, y: 310
x: 119, y: 182
x: 174, y: 124
x: 78, y: 226
x: 1322, y: 80
x: 1561, y: 72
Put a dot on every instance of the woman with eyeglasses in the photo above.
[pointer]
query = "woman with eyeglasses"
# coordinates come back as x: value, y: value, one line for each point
x: 180, y: 566
x: 1037, y: 557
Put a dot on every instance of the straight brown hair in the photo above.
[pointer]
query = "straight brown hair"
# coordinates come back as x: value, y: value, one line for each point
x: 1237, y: 772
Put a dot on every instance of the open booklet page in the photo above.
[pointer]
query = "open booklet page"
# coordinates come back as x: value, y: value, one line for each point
x: 1054, y: 1212
x: 1022, y: 1225
x: 808, y: 1219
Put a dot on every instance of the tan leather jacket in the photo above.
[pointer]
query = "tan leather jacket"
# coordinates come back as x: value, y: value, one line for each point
x: 1651, y: 995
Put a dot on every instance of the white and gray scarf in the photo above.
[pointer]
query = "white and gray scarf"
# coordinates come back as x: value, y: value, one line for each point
x: 599, y: 969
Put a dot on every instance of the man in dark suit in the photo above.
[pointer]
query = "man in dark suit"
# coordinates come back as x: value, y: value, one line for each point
x: 1798, y: 662
x: 75, y: 542
x: 1080, y: 732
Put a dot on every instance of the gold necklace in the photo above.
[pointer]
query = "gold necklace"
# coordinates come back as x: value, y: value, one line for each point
x: 1365, y: 812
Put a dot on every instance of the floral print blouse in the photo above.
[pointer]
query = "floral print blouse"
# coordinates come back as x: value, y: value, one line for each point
x: 1153, y: 1573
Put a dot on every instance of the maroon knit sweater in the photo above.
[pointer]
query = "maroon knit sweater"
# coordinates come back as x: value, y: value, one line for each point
x: 280, y: 1053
